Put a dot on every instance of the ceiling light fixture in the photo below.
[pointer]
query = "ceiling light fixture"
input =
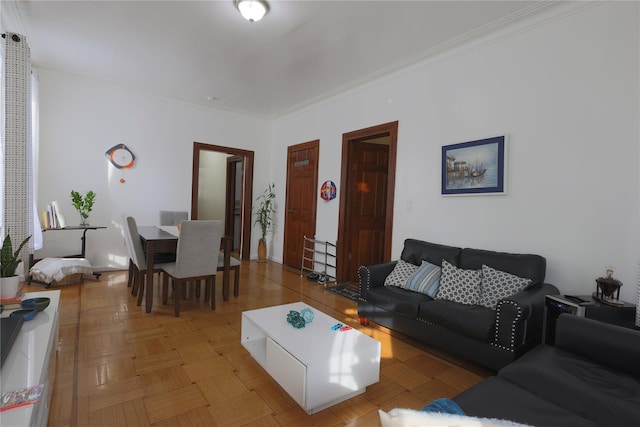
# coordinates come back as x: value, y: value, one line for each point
x: 252, y: 10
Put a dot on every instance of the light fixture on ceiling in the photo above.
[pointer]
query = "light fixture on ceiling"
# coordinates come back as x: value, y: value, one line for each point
x: 252, y: 10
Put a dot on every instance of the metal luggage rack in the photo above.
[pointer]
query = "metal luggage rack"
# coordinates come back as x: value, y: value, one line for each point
x: 318, y: 253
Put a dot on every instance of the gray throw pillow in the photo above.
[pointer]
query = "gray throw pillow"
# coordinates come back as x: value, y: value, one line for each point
x: 400, y: 273
x: 459, y: 285
x: 426, y: 279
x: 497, y: 285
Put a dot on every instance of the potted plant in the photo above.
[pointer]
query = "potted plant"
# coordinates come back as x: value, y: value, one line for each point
x: 83, y: 205
x: 264, y: 219
x: 9, y: 261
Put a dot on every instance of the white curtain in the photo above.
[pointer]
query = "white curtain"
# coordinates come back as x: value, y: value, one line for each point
x: 19, y: 215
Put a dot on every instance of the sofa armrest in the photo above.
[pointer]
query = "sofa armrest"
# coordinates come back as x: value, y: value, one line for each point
x: 519, y: 317
x: 372, y: 276
x: 614, y: 346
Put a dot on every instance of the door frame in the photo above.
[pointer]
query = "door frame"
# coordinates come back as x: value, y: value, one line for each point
x: 247, y: 186
x: 348, y: 139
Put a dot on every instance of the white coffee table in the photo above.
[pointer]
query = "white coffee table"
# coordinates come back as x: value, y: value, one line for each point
x: 317, y: 365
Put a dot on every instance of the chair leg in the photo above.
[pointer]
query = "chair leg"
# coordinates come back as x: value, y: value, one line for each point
x: 207, y: 291
x: 236, y: 281
x: 213, y: 292
x: 131, y: 273
x: 165, y: 289
x: 140, y: 278
x: 176, y: 293
x: 134, y: 282
x: 197, y: 285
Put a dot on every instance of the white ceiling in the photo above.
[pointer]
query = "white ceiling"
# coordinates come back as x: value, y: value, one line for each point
x: 301, y: 52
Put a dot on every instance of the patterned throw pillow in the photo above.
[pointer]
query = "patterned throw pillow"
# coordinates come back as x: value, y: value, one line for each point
x: 426, y: 279
x: 497, y: 285
x: 400, y: 273
x: 458, y: 285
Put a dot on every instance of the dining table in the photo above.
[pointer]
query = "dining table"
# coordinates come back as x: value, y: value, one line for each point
x: 164, y: 239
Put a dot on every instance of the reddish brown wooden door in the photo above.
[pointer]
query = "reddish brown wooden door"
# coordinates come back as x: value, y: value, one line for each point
x: 234, y: 202
x: 300, y: 204
x: 367, y: 205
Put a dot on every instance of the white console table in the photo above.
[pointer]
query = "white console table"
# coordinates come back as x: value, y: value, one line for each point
x: 318, y: 365
x: 32, y: 361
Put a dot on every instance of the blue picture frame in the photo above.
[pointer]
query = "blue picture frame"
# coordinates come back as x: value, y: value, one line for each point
x: 474, y: 167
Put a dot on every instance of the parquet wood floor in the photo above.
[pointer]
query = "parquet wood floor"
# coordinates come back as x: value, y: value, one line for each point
x: 119, y: 366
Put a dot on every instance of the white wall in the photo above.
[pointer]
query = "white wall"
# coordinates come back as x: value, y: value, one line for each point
x: 81, y: 119
x: 565, y: 90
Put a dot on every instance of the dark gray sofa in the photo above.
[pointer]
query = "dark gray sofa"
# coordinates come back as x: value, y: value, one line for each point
x: 490, y: 338
x: 591, y: 377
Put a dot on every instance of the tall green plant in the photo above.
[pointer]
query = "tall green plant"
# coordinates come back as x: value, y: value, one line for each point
x: 83, y: 205
x: 9, y: 260
x: 265, y: 210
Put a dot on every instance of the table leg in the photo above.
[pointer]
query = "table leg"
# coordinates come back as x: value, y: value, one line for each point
x: 149, y: 286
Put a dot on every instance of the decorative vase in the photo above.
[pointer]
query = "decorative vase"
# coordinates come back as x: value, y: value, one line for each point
x: 9, y: 287
x: 262, y: 251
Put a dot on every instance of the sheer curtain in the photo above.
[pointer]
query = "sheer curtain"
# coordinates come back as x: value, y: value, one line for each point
x: 19, y: 212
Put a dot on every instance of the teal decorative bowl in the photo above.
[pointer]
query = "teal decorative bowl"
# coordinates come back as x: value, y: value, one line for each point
x: 25, y: 313
x: 39, y: 303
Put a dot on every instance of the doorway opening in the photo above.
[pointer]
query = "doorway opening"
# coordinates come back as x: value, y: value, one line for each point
x: 365, y: 223
x: 222, y: 189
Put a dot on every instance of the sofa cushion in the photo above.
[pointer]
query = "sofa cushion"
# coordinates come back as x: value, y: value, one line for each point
x: 582, y: 386
x: 473, y: 321
x: 400, y: 273
x: 397, y: 300
x: 497, y: 285
x: 426, y: 279
x: 459, y: 285
x: 495, y: 397
x: 523, y: 265
x: 416, y: 251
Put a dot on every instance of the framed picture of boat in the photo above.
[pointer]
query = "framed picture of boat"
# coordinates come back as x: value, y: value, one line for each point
x: 474, y: 167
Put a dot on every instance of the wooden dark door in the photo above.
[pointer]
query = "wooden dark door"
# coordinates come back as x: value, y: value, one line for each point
x: 365, y: 223
x: 367, y: 205
x: 233, y: 201
x: 301, y: 199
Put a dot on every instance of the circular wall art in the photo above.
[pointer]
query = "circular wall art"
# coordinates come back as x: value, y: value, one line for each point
x: 328, y: 191
x: 120, y: 156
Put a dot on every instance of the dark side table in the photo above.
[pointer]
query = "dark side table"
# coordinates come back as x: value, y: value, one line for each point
x: 585, y: 306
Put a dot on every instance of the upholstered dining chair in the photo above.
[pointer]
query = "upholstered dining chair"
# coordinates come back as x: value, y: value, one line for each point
x: 173, y: 217
x: 137, y: 258
x: 198, y: 246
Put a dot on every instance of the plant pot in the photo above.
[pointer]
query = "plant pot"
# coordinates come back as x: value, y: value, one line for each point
x: 262, y: 251
x: 9, y: 287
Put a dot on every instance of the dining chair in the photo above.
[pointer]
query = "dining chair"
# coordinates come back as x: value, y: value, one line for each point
x: 234, y: 265
x: 173, y: 217
x: 137, y: 258
x: 198, y: 246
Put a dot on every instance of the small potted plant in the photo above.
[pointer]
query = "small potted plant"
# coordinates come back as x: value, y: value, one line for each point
x: 264, y: 219
x: 9, y: 261
x: 83, y: 205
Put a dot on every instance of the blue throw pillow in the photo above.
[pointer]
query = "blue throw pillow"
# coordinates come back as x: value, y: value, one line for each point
x: 425, y: 280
